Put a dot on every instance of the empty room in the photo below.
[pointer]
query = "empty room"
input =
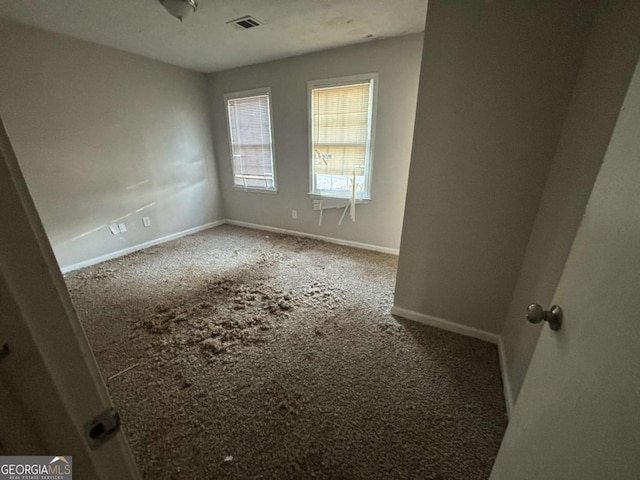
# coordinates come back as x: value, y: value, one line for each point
x: 319, y: 239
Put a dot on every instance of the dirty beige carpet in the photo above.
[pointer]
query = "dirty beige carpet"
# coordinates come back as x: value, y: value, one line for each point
x: 261, y: 356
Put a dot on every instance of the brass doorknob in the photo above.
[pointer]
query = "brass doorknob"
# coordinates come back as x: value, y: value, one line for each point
x: 536, y: 314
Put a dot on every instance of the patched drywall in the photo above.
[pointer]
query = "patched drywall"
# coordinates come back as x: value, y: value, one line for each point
x: 496, y: 82
x: 106, y: 137
x: 609, y: 62
x: 378, y: 223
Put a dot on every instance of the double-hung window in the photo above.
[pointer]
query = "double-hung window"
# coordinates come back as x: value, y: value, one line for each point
x: 251, y: 140
x: 341, y: 129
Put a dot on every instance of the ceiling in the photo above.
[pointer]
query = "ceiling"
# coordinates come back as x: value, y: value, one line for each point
x: 205, y: 43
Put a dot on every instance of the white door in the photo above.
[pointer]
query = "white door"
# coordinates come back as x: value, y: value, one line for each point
x: 578, y: 414
x: 50, y: 386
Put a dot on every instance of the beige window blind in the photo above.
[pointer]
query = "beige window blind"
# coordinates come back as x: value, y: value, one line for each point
x: 341, y: 135
x: 251, y: 142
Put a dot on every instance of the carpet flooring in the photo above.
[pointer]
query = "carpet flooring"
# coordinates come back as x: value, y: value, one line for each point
x: 240, y: 354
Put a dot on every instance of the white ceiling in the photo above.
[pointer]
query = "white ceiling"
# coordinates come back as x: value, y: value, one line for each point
x: 204, y: 42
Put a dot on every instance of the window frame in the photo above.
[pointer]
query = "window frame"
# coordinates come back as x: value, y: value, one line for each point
x: 369, y: 155
x: 256, y: 92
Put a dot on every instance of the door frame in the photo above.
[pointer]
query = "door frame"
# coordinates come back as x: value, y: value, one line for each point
x: 53, y: 382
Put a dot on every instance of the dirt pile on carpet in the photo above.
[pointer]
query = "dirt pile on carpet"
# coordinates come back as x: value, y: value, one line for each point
x: 223, y: 315
x: 239, y: 354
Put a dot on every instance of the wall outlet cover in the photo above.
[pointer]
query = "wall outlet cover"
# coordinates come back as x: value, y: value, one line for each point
x: 114, y: 228
x: 146, y: 221
x: 122, y: 227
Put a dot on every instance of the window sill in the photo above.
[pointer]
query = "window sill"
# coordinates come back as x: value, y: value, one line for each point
x: 317, y: 196
x: 255, y: 190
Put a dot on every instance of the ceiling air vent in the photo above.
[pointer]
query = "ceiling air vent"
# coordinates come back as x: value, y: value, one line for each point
x: 244, y: 23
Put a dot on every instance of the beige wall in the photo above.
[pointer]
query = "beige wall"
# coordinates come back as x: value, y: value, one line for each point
x: 609, y: 61
x: 379, y: 223
x: 496, y: 81
x: 100, y: 134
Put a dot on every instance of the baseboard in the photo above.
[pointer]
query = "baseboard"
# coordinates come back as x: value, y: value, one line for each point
x: 445, y: 324
x: 506, y: 385
x: 174, y: 236
x: 338, y: 241
x: 135, y: 248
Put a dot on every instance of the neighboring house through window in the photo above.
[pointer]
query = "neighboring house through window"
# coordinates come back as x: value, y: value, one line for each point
x: 341, y: 129
x: 251, y: 140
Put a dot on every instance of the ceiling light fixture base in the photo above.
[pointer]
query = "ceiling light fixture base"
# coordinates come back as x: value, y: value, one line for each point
x: 180, y: 8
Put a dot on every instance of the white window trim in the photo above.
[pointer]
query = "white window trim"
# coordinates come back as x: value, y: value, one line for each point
x: 247, y: 94
x: 373, y: 106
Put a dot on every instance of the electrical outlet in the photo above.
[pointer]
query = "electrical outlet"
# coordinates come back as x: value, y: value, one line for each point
x: 114, y: 228
x: 122, y: 227
x: 294, y: 214
x: 146, y: 221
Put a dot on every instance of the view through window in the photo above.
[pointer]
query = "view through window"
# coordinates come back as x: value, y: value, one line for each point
x: 341, y: 137
x: 251, y: 140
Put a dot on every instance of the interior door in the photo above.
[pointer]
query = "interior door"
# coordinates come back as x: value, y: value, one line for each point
x: 578, y: 414
x: 50, y: 386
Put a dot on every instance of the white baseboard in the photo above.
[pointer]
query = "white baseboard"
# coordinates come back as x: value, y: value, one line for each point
x: 506, y: 385
x: 338, y: 241
x: 174, y: 236
x: 135, y: 248
x: 445, y: 324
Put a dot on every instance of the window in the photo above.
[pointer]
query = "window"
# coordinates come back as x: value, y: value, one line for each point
x: 251, y: 140
x: 341, y: 124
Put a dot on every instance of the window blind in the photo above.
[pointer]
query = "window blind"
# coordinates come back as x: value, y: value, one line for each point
x: 341, y: 131
x: 251, y: 143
